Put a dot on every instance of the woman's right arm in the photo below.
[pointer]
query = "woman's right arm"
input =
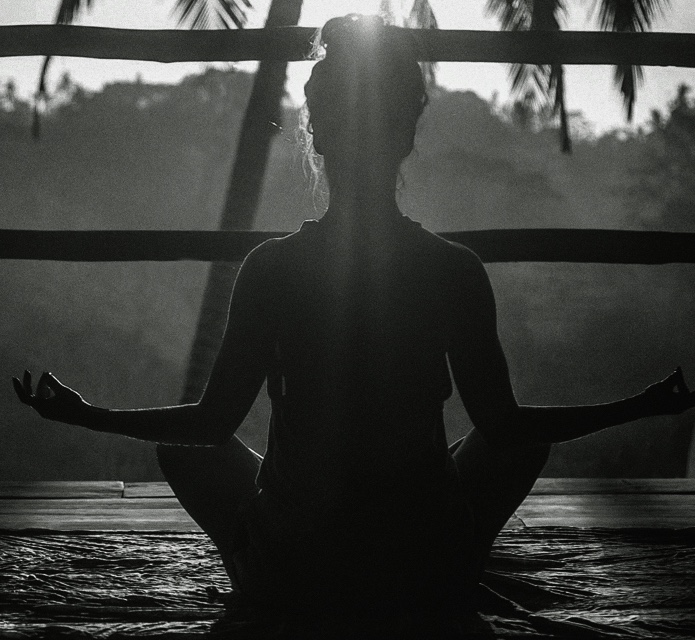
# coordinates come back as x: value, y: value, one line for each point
x: 481, y: 375
x: 236, y: 379
x: 179, y: 424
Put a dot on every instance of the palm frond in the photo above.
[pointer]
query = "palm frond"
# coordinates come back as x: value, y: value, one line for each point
x: 543, y: 86
x: 530, y: 80
x: 523, y: 15
x: 517, y: 15
x: 627, y: 79
x: 198, y: 14
x: 212, y: 14
x: 629, y: 16
x: 419, y: 16
x: 422, y: 16
x: 546, y: 14
x: 513, y: 15
x: 69, y: 10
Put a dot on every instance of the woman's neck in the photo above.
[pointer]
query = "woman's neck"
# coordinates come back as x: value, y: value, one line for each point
x: 367, y: 194
x: 366, y: 208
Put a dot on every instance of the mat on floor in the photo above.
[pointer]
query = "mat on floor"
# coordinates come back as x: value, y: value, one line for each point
x: 565, y: 582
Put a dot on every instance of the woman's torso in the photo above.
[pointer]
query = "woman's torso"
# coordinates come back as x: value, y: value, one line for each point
x: 357, y: 454
x: 360, y: 372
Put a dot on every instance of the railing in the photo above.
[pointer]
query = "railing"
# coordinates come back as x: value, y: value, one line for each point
x: 503, y: 245
x: 292, y: 43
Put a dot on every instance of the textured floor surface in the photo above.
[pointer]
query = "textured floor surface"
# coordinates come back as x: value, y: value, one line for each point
x: 566, y: 581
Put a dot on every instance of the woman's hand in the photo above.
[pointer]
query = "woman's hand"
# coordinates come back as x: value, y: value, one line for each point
x: 671, y: 396
x: 52, y: 400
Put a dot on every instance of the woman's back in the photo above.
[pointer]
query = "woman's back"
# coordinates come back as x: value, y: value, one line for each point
x: 360, y: 372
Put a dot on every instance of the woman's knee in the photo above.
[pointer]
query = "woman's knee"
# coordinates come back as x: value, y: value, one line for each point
x: 474, y: 451
x: 537, y: 455
x: 175, y: 460
x: 234, y: 452
x: 168, y: 457
x: 524, y: 464
x: 229, y: 469
x: 167, y: 453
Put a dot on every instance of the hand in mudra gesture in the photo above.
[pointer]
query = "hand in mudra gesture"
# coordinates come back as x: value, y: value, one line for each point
x: 52, y: 400
x: 670, y: 396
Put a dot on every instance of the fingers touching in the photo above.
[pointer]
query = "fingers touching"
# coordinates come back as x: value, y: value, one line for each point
x: 45, y: 389
x: 679, y: 381
x: 679, y: 388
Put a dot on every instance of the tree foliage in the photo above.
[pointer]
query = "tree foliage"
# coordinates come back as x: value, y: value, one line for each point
x: 212, y: 14
x: 629, y: 16
x: 665, y: 194
x: 545, y: 84
x: 197, y: 14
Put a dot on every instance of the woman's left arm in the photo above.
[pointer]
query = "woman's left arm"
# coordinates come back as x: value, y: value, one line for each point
x: 480, y: 371
x: 236, y: 379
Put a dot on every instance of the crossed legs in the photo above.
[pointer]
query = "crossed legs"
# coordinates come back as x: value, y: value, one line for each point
x: 496, y: 483
x: 212, y: 482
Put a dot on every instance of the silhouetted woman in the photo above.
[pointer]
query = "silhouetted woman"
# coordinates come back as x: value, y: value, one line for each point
x: 354, y: 321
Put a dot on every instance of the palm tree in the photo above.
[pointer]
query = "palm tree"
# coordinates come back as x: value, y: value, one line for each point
x: 246, y: 180
x: 545, y: 84
x: 243, y: 194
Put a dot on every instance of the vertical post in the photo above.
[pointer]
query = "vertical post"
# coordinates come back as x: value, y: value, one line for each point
x: 258, y: 128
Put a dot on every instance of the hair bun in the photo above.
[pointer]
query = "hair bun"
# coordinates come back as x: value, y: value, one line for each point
x: 353, y: 31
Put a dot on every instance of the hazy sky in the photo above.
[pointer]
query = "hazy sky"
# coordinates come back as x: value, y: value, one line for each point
x: 590, y: 89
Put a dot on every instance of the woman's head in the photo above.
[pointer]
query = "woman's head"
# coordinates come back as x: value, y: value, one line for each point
x: 365, y: 96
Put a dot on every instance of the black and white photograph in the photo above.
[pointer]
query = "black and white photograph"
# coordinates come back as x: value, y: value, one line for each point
x: 362, y: 319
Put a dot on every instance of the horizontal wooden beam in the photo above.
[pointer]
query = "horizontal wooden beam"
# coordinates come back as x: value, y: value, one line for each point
x: 503, y: 245
x: 292, y: 43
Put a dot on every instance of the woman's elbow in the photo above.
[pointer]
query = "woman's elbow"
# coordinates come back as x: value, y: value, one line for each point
x: 212, y: 427
x: 504, y: 431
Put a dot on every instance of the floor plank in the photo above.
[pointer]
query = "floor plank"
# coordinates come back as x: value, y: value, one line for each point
x: 565, y: 486
x: 543, y: 486
x: 61, y: 489
x: 89, y: 505
x: 669, y: 511
x: 121, y: 520
x: 147, y: 490
x: 574, y: 502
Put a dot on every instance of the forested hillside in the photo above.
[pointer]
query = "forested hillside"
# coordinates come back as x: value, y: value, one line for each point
x: 138, y: 156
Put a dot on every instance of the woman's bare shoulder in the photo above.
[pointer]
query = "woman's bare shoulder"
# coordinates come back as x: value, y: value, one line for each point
x: 454, y: 257
x: 259, y: 265
x: 464, y: 256
x: 275, y: 255
x: 267, y: 251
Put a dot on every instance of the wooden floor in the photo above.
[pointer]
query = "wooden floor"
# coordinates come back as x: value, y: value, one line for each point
x: 667, y: 503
